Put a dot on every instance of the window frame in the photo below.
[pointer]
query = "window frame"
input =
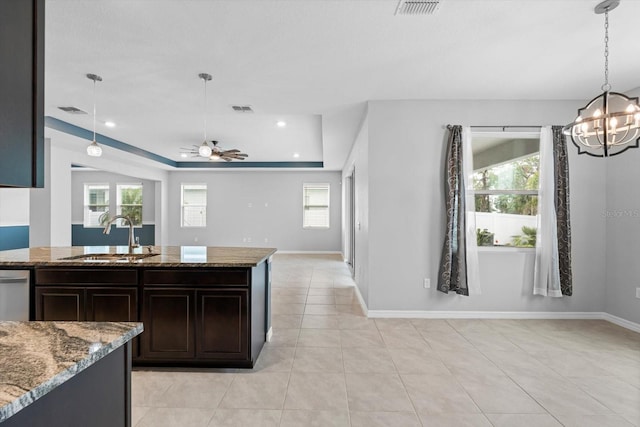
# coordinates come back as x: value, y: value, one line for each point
x: 85, y: 206
x: 121, y: 223
x: 182, y: 205
x: 305, y: 206
x: 473, y: 192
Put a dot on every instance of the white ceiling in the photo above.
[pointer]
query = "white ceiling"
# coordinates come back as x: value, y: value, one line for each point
x: 314, y: 64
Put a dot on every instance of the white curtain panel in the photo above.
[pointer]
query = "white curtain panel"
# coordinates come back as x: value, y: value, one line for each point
x: 473, y: 270
x: 546, y: 279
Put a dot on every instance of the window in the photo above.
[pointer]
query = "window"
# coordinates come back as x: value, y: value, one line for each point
x: 315, y: 205
x: 194, y: 205
x: 96, y: 204
x: 129, y: 198
x: 505, y: 183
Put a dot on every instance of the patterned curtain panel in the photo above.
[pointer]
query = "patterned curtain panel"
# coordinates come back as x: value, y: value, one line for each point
x: 561, y: 172
x: 453, y: 269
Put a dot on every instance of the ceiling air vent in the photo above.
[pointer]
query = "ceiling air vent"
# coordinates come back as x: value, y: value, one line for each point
x: 242, y: 108
x: 72, y: 110
x: 417, y: 7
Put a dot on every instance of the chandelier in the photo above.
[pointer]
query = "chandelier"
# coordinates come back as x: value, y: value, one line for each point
x: 610, y: 123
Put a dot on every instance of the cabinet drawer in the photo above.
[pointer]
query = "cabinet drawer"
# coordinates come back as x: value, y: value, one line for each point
x: 54, y: 276
x: 217, y: 277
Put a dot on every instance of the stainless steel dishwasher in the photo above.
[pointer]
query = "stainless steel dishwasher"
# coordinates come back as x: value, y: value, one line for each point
x: 14, y: 295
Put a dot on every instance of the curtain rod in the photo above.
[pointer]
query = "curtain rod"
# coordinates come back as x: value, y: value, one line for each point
x: 508, y: 127
x: 503, y: 127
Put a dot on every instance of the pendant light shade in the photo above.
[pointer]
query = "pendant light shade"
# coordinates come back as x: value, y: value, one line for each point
x: 205, y: 149
x: 94, y: 150
x: 610, y: 123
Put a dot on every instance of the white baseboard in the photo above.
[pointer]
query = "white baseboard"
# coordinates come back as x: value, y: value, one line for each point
x: 423, y: 314
x: 621, y: 322
x: 308, y: 252
x: 363, y: 305
x: 269, y: 334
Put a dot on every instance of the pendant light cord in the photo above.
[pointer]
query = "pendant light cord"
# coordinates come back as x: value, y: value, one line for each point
x: 205, y: 109
x: 94, y: 109
x: 606, y: 86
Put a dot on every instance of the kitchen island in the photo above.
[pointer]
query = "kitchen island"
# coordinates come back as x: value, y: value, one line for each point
x: 201, y: 306
x: 68, y: 374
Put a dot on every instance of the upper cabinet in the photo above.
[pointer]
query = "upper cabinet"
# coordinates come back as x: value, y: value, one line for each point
x: 22, y: 93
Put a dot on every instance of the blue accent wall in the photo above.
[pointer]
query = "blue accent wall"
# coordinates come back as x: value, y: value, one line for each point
x: 14, y: 237
x: 81, y: 236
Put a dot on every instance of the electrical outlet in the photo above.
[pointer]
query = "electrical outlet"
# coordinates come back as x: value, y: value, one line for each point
x: 266, y: 240
x: 637, y: 292
x: 250, y: 205
x: 195, y: 239
x: 248, y: 239
x: 426, y: 283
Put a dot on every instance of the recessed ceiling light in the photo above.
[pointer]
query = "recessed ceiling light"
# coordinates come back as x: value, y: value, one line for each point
x: 183, y: 155
x: 281, y: 123
x: 296, y: 155
x: 109, y: 124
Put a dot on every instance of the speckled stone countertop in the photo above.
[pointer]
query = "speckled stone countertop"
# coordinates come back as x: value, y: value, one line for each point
x: 36, y: 357
x: 167, y: 256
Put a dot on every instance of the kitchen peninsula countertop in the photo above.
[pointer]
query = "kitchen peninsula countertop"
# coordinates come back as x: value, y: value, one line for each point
x: 167, y: 256
x: 37, y: 357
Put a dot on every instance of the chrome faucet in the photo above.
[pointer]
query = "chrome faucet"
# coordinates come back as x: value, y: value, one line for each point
x: 132, y: 240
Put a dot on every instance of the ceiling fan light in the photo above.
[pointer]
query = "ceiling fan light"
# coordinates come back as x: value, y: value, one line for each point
x: 94, y: 150
x: 214, y: 156
x: 204, y: 150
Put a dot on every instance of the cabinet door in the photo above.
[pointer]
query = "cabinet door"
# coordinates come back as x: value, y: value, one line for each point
x: 22, y: 93
x: 168, y: 316
x: 58, y: 303
x: 222, y: 328
x: 112, y: 305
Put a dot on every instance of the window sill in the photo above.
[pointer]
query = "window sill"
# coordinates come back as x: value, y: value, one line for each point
x: 505, y: 249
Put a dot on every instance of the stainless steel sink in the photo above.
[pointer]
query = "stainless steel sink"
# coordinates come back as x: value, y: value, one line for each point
x: 109, y: 257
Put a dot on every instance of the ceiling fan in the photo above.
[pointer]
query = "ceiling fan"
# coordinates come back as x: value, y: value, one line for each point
x: 205, y: 150
x: 217, y: 153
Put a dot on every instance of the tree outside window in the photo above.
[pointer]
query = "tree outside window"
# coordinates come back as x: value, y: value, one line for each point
x: 506, y: 190
x: 129, y: 203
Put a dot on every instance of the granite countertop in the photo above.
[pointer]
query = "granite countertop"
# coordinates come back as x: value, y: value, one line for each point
x: 167, y: 256
x: 36, y: 357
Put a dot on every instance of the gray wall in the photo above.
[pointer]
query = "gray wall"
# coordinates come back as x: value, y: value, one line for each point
x: 406, y: 145
x: 622, y: 216
x: 265, y: 207
x: 80, y: 177
x: 358, y: 160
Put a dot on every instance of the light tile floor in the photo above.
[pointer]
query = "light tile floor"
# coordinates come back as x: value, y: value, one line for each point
x: 328, y: 365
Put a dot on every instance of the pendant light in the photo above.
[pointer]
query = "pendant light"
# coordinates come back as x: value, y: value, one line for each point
x: 205, y: 150
x: 94, y: 150
x: 610, y: 123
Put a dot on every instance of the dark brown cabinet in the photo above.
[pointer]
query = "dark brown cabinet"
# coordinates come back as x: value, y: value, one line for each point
x: 203, y: 316
x: 79, y: 304
x: 22, y: 93
x: 191, y: 316
x: 168, y: 316
x: 111, y: 304
x: 222, y: 328
x: 83, y: 295
x: 61, y: 304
